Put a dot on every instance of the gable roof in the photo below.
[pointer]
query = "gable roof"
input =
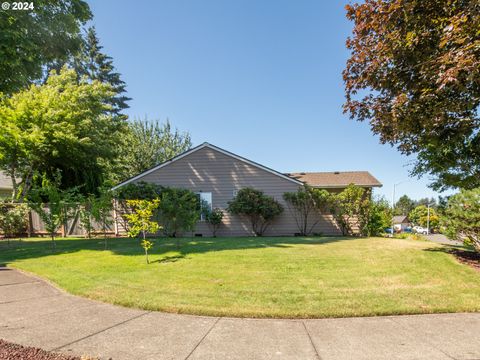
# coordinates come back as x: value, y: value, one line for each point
x: 213, y: 147
x: 337, y: 179
x: 400, y: 219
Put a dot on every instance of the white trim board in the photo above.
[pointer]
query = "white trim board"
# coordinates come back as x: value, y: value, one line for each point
x: 213, y: 147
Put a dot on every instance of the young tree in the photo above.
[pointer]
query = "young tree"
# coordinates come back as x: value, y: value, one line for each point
x: 141, y: 220
x: 178, y: 211
x: 214, y: 219
x: 102, y: 207
x: 306, y: 205
x: 349, y: 207
x: 85, y: 214
x: 259, y: 208
x: 58, y: 126
x: 54, y: 206
x: 462, y: 217
x: 13, y: 219
x: 413, y: 74
x: 34, y: 39
x: 146, y: 143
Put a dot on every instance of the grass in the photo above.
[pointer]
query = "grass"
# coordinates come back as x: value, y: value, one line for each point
x: 258, y: 277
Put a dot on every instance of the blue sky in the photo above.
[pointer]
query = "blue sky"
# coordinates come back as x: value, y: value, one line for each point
x: 259, y: 78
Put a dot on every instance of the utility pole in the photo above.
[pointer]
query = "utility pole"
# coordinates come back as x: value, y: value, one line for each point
x: 393, y: 203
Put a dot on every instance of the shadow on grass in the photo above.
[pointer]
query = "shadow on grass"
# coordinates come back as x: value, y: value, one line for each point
x: 463, y: 254
x: 35, y: 248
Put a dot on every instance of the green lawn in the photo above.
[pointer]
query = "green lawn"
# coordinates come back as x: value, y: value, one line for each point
x: 259, y: 277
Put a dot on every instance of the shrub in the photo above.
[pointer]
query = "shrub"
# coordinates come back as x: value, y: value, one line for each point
x: 13, y: 220
x: 351, y: 205
x: 306, y: 204
x: 139, y: 191
x: 380, y: 217
x: 259, y: 208
x: 214, y: 219
x: 178, y: 211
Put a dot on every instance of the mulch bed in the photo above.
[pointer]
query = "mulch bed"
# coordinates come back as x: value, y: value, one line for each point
x: 10, y: 351
x: 470, y: 258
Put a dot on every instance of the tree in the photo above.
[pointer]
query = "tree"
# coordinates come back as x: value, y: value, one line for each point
x: 102, y: 207
x: 306, y: 205
x: 259, y: 208
x: 97, y: 209
x: 404, y: 205
x: 413, y: 74
x: 53, y: 205
x: 95, y: 65
x: 349, y: 207
x: 462, y: 217
x: 147, y: 143
x: 58, y: 126
x: 141, y: 220
x: 33, y: 40
x: 85, y: 214
x: 419, y: 216
x: 178, y: 211
x: 214, y: 219
x: 13, y: 219
x: 380, y: 217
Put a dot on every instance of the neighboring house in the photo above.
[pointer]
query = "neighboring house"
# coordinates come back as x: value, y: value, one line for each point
x: 217, y: 175
x: 400, y: 223
x: 5, y: 186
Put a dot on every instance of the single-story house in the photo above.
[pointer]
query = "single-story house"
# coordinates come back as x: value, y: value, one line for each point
x: 217, y: 175
x: 400, y: 223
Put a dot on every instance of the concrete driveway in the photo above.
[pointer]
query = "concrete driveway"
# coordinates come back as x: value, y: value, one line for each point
x: 34, y: 313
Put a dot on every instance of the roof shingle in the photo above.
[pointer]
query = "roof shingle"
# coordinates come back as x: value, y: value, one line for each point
x: 337, y: 179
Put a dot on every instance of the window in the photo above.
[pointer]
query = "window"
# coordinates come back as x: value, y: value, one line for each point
x: 205, y: 200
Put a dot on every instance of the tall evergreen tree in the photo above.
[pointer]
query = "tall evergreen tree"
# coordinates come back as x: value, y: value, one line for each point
x: 96, y: 65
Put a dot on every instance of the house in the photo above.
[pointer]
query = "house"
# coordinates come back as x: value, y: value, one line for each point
x: 217, y: 175
x: 5, y: 186
x: 400, y: 223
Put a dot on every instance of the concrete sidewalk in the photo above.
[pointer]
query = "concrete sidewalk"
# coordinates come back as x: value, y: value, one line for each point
x: 36, y: 314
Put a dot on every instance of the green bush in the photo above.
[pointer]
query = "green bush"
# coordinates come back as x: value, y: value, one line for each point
x: 13, y: 219
x: 178, y: 211
x: 306, y: 205
x: 214, y: 219
x: 259, y: 208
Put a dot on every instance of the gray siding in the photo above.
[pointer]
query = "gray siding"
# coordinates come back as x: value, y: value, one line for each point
x: 208, y: 170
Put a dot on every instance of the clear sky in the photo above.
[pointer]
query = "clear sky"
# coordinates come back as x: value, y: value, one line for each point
x: 259, y: 78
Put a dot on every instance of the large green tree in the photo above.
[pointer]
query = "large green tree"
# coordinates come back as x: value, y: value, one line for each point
x: 146, y: 143
x: 404, y: 205
x: 96, y: 65
x: 414, y: 74
x: 59, y: 126
x: 462, y: 217
x: 32, y: 40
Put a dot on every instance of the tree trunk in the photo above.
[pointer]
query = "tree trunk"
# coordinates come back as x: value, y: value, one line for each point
x: 146, y: 256
x: 53, y: 241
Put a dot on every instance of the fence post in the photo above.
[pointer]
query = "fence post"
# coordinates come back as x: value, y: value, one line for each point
x: 115, y: 223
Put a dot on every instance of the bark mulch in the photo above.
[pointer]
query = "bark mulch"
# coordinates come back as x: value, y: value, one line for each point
x: 471, y: 258
x: 10, y: 351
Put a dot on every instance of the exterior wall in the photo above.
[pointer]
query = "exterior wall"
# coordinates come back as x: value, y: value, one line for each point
x: 208, y: 170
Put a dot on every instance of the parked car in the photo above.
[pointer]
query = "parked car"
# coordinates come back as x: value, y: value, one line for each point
x: 420, y: 230
x: 388, y: 230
